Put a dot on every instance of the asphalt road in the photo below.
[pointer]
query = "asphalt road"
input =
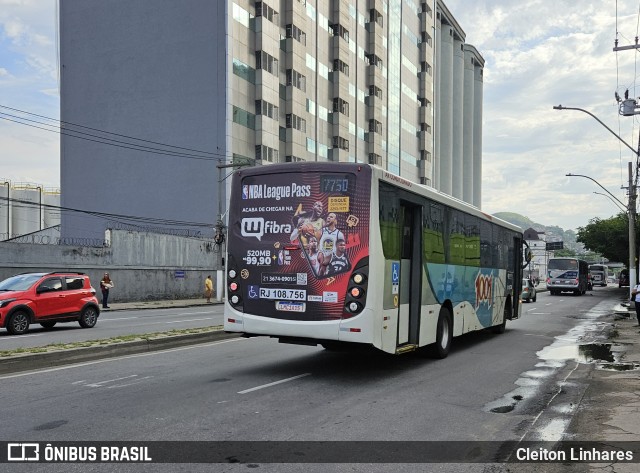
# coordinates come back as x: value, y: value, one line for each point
x: 491, y: 387
x: 116, y: 323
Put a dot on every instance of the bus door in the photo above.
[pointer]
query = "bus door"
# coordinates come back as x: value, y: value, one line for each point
x: 519, y: 263
x: 410, y: 274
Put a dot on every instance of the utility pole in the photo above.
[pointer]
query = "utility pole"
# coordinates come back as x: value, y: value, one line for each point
x: 219, y: 237
x: 629, y: 107
x: 632, y: 229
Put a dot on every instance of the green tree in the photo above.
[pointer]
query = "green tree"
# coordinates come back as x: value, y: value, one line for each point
x: 608, y: 237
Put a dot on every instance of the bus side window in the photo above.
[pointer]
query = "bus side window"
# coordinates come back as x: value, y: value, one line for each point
x: 486, y: 244
x: 390, y: 230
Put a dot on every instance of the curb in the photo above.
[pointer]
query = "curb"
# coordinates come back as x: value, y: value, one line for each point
x: 54, y: 359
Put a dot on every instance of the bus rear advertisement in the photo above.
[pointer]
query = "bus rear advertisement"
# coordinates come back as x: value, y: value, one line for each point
x: 599, y: 274
x: 339, y: 253
x: 567, y: 275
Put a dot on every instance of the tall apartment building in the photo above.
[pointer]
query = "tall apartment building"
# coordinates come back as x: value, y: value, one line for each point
x: 387, y: 82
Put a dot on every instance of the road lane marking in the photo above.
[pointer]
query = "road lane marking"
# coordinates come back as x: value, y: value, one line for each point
x: 120, y: 358
x: 188, y: 320
x: 138, y: 381
x: 8, y: 338
x: 273, y: 384
x: 99, y: 385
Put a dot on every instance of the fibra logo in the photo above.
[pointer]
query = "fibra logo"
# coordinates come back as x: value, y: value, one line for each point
x: 484, y: 290
x: 257, y: 227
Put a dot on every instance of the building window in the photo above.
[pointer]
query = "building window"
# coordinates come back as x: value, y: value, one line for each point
x: 265, y: 153
x: 262, y: 9
x: 267, y: 109
x: 292, y: 31
x: 375, y: 126
x: 296, y: 79
x: 266, y: 62
x: 424, y: 102
x: 294, y: 121
x: 292, y: 159
x: 376, y: 16
x: 338, y: 30
x: 244, y: 71
x: 425, y: 67
x: 341, y: 66
x: 341, y: 106
x: 342, y: 143
x: 244, y: 118
x: 374, y: 60
x: 375, y: 91
x: 426, y: 38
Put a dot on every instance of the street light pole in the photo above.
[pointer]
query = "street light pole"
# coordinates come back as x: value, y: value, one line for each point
x: 631, y: 208
x: 601, y: 186
x: 623, y: 208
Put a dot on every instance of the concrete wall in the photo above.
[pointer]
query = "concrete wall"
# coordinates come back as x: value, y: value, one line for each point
x: 143, y: 266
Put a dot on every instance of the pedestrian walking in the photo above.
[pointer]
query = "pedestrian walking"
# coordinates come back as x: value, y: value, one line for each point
x: 635, y: 295
x: 208, y: 288
x: 105, y: 284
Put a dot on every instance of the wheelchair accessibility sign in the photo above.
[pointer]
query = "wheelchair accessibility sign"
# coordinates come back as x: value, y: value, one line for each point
x: 395, y: 277
x: 254, y: 292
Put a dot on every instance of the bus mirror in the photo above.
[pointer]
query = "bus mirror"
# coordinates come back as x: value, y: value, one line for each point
x: 528, y: 255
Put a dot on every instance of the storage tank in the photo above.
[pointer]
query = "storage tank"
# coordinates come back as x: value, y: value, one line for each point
x: 51, y: 208
x: 5, y: 209
x: 26, y: 209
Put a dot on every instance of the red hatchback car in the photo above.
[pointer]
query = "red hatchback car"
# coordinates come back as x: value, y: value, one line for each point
x: 47, y: 298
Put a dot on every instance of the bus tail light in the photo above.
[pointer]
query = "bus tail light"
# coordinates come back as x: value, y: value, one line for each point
x: 356, y: 297
x: 233, y: 286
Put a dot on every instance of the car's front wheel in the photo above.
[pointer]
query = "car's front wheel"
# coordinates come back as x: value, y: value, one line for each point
x: 89, y: 317
x: 18, y: 323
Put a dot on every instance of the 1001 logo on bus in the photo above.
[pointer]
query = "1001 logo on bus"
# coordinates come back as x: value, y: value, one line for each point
x: 258, y: 227
x: 484, y: 289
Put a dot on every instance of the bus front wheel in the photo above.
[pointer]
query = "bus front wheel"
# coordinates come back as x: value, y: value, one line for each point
x: 444, y: 334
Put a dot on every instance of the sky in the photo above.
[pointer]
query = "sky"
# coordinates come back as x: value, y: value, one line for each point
x: 538, y: 54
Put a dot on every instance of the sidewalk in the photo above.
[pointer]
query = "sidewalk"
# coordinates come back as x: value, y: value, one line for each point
x: 610, y: 408
x: 158, y: 304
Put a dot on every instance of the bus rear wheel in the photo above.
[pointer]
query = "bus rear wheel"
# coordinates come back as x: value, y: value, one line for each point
x: 444, y: 335
x: 507, y: 314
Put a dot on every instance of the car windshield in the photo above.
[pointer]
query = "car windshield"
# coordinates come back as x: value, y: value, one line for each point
x: 22, y: 282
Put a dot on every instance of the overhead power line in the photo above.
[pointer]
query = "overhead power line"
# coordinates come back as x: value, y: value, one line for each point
x: 65, y: 128
x: 118, y: 217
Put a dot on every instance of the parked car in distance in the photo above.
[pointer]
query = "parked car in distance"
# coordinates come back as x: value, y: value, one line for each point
x: 47, y: 298
x: 529, y: 293
x: 623, y: 280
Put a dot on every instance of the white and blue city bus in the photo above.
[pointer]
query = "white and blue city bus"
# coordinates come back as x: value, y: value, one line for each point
x: 343, y: 253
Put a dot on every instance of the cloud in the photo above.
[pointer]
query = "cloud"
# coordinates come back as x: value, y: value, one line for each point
x: 540, y: 54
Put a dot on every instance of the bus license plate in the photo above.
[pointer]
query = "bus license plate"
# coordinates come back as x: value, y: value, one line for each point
x: 290, y: 306
x: 288, y: 294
